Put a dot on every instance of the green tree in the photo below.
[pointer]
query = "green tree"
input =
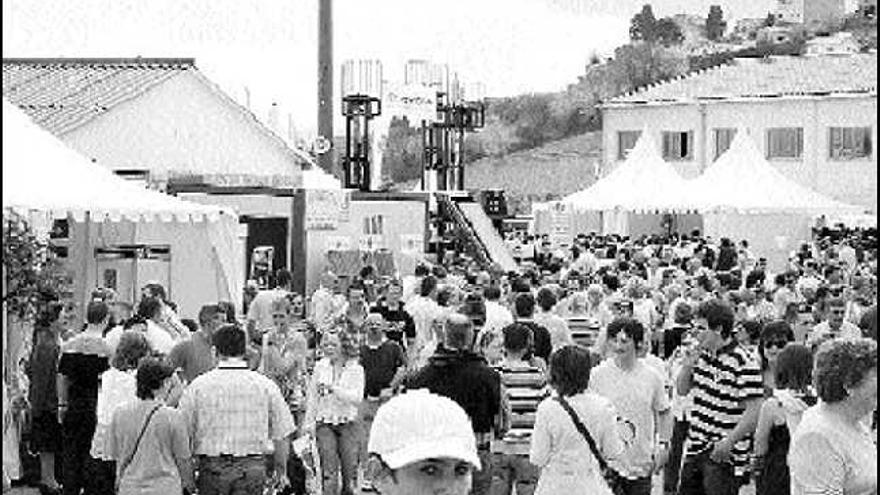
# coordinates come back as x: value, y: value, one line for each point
x: 642, y: 26
x: 34, y: 276
x: 668, y: 32
x: 715, y: 23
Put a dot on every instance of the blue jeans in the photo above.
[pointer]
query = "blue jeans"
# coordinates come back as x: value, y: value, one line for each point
x: 640, y: 486
x: 700, y: 475
x: 339, y: 448
x: 226, y: 475
x: 673, y: 467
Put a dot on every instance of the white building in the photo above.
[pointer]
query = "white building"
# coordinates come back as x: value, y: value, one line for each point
x: 163, y: 120
x: 810, y: 12
x: 814, y: 118
x: 161, y: 116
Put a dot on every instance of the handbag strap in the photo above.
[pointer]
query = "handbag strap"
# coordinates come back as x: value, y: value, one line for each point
x: 603, y: 465
x: 137, y: 442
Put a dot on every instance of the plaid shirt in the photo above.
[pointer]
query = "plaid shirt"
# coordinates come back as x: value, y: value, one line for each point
x: 232, y: 410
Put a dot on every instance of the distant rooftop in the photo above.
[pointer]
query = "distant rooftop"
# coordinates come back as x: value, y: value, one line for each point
x: 773, y: 77
x: 62, y: 94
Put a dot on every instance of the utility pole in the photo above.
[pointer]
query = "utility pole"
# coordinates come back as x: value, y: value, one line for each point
x: 325, y: 83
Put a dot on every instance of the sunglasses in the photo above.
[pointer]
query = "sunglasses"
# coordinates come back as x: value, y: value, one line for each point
x: 779, y: 344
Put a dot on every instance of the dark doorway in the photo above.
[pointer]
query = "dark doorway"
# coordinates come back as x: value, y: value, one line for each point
x: 267, y: 231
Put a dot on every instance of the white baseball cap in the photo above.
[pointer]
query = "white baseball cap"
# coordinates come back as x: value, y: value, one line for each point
x: 419, y: 425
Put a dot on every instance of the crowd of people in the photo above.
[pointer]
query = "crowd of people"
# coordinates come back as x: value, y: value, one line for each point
x: 601, y: 366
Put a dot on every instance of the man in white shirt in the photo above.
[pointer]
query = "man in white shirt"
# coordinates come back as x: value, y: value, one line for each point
x: 426, y: 314
x: 259, y: 314
x: 412, y: 283
x: 835, y: 326
x: 639, y: 395
x: 497, y: 316
x: 158, y: 338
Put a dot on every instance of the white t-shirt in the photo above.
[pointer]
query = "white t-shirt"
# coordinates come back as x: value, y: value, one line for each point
x: 497, y: 317
x: 159, y: 340
x: 847, y: 460
x: 637, y: 394
x: 823, y: 331
x: 260, y: 309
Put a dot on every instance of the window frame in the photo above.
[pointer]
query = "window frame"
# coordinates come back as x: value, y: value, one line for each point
x: 867, y: 143
x: 799, y: 136
x: 716, y: 133
x: 621, y: 152
x: 670, y: 146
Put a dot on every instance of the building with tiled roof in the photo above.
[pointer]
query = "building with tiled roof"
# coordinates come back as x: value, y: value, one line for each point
x: 161, y: 116
x: 163, y: 121
x: 814, y: 118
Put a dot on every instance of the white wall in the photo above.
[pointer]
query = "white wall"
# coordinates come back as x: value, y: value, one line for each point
x: 400, y: 218
x: 182, y: 125
x: 853, y: 181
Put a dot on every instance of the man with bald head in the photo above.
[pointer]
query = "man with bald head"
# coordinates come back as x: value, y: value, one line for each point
x: 455, y: 371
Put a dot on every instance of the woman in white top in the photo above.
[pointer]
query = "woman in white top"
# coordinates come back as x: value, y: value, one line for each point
x: 335, y: 393
x: 566, y: 461
x: 148, y: 440
x: 833, y: 450
x: 118, y: 387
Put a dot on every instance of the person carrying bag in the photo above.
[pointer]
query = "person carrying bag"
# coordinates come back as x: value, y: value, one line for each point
x: 127, y: 461
x: 612, y: 477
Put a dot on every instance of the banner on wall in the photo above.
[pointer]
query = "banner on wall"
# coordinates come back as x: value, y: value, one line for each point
x: 326, y: 208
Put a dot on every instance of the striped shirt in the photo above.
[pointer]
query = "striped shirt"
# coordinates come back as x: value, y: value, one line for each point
x: 721, y: 385
x: 524, y: 387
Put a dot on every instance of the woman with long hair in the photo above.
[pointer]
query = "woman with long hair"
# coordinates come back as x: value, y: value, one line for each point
x: 335, y: 393
x: 774, y: 337
x: 41, y: 370
x: 779, y: 417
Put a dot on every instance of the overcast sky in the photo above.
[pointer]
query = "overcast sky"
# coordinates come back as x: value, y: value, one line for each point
x: 270, y: 46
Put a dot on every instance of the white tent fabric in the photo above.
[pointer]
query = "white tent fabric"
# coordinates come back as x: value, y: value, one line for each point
x: 643, y: 183
x: 42, y: 173
x: 742, y: 181
x: 44, y: 179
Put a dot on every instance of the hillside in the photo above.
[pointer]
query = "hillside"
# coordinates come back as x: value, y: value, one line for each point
x: 539, y: 174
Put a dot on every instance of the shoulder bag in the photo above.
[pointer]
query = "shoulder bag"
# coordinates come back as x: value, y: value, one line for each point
x: 613, y: 478
x: 125, y: 462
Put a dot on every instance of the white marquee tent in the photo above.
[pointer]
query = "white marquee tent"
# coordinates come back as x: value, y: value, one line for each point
x: 743, y: 196
x: 44, y: 179
x: 643, y: 183
x: 741, y: 180
x: 629, y: 200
